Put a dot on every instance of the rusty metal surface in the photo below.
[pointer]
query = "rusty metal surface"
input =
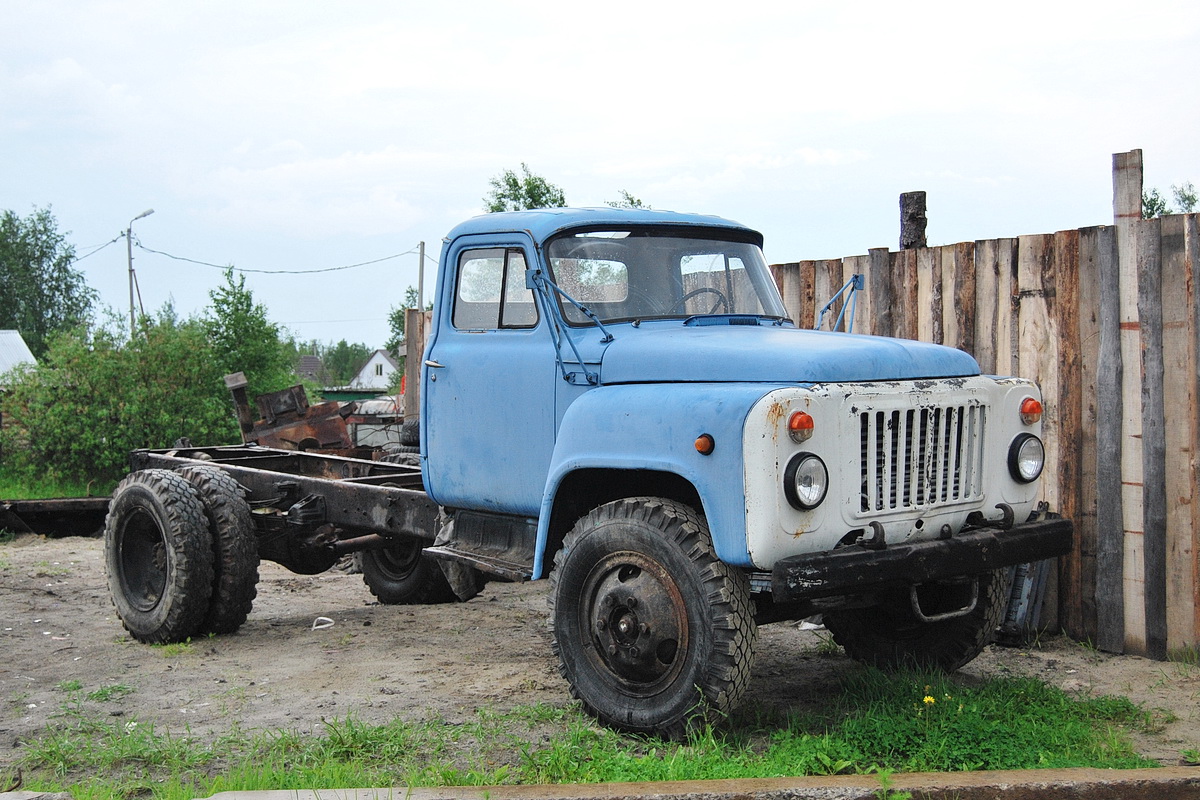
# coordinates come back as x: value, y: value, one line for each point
x: 360, y: 496
x: 287, y: 421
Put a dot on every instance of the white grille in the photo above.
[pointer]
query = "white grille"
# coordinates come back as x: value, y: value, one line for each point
x: 921, y: 457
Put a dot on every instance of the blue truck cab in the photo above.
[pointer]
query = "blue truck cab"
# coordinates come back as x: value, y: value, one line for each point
x: 616, y: 400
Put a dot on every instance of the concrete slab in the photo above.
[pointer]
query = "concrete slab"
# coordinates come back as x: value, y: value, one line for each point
x: 1167, y: 783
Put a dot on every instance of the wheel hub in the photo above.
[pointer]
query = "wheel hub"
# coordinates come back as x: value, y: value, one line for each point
x: 637, y: 620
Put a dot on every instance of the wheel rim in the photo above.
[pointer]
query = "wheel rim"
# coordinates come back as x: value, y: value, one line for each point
x: 143, y: 560
x: 634, y: 616
x: 399, y: 561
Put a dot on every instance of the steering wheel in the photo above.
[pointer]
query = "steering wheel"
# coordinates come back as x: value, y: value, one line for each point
x: 720, y: 302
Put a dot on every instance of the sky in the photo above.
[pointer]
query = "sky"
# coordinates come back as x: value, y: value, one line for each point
x: 299, y: 136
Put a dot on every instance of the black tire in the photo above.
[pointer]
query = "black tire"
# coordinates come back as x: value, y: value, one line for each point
x: 235, y: 548
x: 403, y: 575
x: 653, y: 633
x: 890, y: 636
x: 159, y: 556
x: 410, y: 433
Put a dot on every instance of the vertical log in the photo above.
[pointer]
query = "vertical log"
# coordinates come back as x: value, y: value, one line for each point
x: 1181, y: 410
x: 1070, y: 415
x: 808, y: 299
x: 1127, y: 212
x: 1154, y: 443
x: 912, y: 220
x: 879, y: 284
x: 1110, y: 495
x: 986, y: 320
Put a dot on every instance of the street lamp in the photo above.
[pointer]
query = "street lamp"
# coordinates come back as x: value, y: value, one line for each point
x: 129, y: 250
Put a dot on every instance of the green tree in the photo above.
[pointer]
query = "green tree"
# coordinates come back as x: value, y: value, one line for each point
x: 512, y: 192
x: 1185, y: 197
x: 344, y: 360
x: 95, y: 397
x: 627, y: 201
x: 1155, y: 205
x: 43, y: 293
x: 243, y: 339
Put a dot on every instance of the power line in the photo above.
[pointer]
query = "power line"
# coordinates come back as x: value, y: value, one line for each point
x: 99, y: 247
x: 141, y: 246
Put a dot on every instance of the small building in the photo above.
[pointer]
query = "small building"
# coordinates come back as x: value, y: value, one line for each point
x: 13, y: 353
x: 377, y: 374
x: 311, y: 368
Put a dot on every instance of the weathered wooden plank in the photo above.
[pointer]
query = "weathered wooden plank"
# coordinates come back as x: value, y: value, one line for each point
x: 827, y: 281
x: 960, y: 313
x: 1154, y: 443
x: 1180, y: 410
x: 986, y: 320
x: 1038, y: 340
x: 929, y: 294
x: 1110, y: 526
x: 1007, y: 302
x: 1070, y: 420
x: 904, y: 293
x: 787, y: 279
x: 879, y: 283
x: 1127, y: 210
x: 860, y: 265
x: 807, y: 317
x: 1191, y: 246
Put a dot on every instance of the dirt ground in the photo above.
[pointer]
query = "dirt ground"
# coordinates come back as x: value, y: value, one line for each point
x: 289, y: 668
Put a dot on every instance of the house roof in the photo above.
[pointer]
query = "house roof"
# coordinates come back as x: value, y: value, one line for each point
x: 13, y: 351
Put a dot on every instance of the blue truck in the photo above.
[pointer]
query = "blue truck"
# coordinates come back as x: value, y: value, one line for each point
x: 615, y: 400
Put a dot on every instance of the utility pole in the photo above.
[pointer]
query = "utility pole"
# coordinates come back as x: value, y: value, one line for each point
x: 129, y: 252
x: 421, y: 277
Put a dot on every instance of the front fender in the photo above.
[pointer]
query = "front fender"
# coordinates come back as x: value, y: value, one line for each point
x: 655, y: 427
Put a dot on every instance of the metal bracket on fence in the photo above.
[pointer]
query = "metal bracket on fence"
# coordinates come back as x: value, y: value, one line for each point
x: 855, y: 285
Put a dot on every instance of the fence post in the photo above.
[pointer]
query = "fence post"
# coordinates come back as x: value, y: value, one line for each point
x: 1127, y: 212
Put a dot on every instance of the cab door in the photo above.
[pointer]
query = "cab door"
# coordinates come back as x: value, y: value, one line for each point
x: 488, y: 396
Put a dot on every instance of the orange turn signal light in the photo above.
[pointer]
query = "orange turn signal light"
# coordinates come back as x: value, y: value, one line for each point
x: 705, y: 444
x: 800, y: 426
x: 1031, y: 411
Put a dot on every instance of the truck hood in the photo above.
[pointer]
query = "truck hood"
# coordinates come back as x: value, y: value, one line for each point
x: 770, y: 354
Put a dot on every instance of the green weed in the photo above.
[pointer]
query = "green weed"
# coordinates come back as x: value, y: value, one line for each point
x: 875, y: 724
x: 174, y: 649
x: 106, y: 693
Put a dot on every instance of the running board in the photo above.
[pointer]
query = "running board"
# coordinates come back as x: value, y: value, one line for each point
x: 493, y: 543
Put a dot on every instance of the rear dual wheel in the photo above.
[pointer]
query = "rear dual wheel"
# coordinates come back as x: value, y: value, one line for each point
x: 181, y: 554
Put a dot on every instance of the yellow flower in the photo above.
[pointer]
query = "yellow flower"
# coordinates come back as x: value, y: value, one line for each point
x: 929, y: 700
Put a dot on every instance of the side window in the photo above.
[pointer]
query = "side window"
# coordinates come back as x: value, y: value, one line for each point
x: 491, y: 291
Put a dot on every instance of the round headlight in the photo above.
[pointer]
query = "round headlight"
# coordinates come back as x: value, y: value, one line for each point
x: 1026, y: 457
x: 805, y: 481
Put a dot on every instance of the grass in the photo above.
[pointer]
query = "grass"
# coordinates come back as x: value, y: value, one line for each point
x: 13, y: 487
x: 877, y: 724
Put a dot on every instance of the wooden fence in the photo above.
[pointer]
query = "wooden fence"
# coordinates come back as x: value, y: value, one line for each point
x: 1107, y: 320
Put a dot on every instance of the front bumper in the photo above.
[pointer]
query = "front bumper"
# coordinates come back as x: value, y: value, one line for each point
x: 858, y: 570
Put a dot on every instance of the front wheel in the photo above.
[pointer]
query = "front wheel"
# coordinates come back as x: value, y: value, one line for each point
x: 654, y: 633
x: 890, y: 636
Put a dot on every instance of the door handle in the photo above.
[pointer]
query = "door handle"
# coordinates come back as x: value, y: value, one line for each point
x: 429, y: 362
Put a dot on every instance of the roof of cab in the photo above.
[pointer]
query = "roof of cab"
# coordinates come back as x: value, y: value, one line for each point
x: 543, y: 223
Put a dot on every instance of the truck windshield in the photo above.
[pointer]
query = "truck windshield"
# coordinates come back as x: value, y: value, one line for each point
x: 636, y: 274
